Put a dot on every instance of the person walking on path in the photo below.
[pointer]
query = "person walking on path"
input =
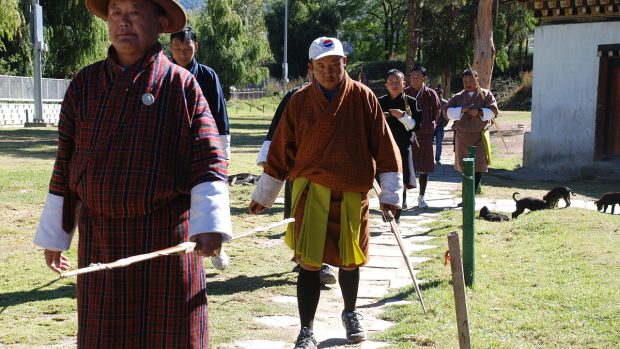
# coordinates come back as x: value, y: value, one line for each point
x: 428, y: 102
x: 327, y: 275
x: 442, y: 122
x: 332, y: 172
x: 139, y: 168
x: 472, y: 110
x: 396, y: 105
x: 184, y: 46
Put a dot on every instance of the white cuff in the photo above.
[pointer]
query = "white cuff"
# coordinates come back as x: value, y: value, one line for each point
x: 454, y: 113
x: 226, y: 145
x: 50, y: 234
x: 210, y: 210
x: 267, y: 190
x: 407, y: 121
x: 262, y: 155
x: 487, y: 114
x: 391, y: 188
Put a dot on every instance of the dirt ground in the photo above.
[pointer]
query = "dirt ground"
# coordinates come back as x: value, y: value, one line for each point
x: 512, y: 134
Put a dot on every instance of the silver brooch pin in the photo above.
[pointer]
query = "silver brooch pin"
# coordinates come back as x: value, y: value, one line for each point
x: 148, y: 99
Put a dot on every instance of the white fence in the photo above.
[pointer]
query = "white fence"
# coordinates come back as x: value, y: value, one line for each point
x: 17, y: 104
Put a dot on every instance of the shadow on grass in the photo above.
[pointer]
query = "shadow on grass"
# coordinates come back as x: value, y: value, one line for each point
x: 435, y: 229
x: 238, y: 211
x: 581, y: 186
x: 27, y: 142
x: 36, y: 295
x: 243, y: 283
x: 405, y: 293
x: 256, y: 139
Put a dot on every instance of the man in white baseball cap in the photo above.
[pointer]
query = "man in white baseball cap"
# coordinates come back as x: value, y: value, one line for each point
x: 332, y: 172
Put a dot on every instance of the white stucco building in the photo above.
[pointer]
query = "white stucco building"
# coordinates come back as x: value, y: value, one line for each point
x: 576, y: 86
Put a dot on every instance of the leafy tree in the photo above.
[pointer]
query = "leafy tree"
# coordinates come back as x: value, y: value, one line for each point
x: 379, y: 30
x: 10, y: 19
x: 233, y: 43
x: 447, y: 43
x: 14, y: 55
x: 74, y: 36
x: 515, y: 24
x: 308, y: 20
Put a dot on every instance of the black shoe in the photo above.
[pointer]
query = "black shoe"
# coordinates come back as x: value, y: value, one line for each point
x: 351, y: 322
x: 326, y: 275
x: 305, y: 339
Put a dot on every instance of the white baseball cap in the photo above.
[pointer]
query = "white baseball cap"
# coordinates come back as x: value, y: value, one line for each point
x: 325, y: 46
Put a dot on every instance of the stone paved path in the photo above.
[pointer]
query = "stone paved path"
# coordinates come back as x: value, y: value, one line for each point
x: 386, y: 268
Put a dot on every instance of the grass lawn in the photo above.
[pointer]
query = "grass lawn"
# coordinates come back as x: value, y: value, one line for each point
x: 546, y: 280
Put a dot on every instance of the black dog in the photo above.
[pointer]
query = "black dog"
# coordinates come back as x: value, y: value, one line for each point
x: 556, y: 193
x: 487, y: 215
x: 243, y: 178
x: 606, y: 200
x: 529, y: 203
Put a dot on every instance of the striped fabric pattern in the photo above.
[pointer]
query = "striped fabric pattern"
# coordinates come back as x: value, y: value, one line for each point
x: 133, y: 165
x: 428, y: 101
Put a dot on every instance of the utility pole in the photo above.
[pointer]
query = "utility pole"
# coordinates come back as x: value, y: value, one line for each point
x: 285, y: 64
x: 38, y: 45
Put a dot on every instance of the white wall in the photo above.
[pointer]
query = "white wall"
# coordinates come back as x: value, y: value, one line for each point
x: 564, y: 94
x: 16, y: 113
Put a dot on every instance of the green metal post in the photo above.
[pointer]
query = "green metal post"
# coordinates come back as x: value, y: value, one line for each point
x: 472, y: 151
x: 469, y: 212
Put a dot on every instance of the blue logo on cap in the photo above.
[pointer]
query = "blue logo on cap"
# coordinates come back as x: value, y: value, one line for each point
x: 327, y: 43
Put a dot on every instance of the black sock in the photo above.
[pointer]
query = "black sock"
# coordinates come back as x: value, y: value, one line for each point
x: 349, y: 282
x: 423, y: 181
x: 308, y: 293
x: 478, y: 177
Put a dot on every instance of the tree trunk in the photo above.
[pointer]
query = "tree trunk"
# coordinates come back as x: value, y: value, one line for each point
x: 414, y: 14
x: 484, y: 54
x: 520, y: 56
x: 446, y: 76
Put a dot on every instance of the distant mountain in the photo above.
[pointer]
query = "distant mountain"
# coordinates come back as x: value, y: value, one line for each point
x: 192, y: 4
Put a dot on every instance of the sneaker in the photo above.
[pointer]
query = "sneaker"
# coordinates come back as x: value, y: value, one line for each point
x: 220, y: 262
x: 421, y: 202
x: 305, y: 339
x: 351, y: 322
x: 326, y: 275
x: 438, y: 162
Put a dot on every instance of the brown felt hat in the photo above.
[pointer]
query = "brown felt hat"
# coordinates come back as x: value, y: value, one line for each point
x: 174, y: 12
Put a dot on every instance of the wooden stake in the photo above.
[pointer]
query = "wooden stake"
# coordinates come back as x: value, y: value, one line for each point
x: 458, y: 284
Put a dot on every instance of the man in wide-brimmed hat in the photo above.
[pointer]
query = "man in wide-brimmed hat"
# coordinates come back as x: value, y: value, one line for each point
x: 140, y: 167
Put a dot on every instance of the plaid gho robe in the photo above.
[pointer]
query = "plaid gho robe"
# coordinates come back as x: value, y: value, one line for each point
x: 133, y: 166
x: 467, y: 131
x: 339, y: 144
x: 428, y: 102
